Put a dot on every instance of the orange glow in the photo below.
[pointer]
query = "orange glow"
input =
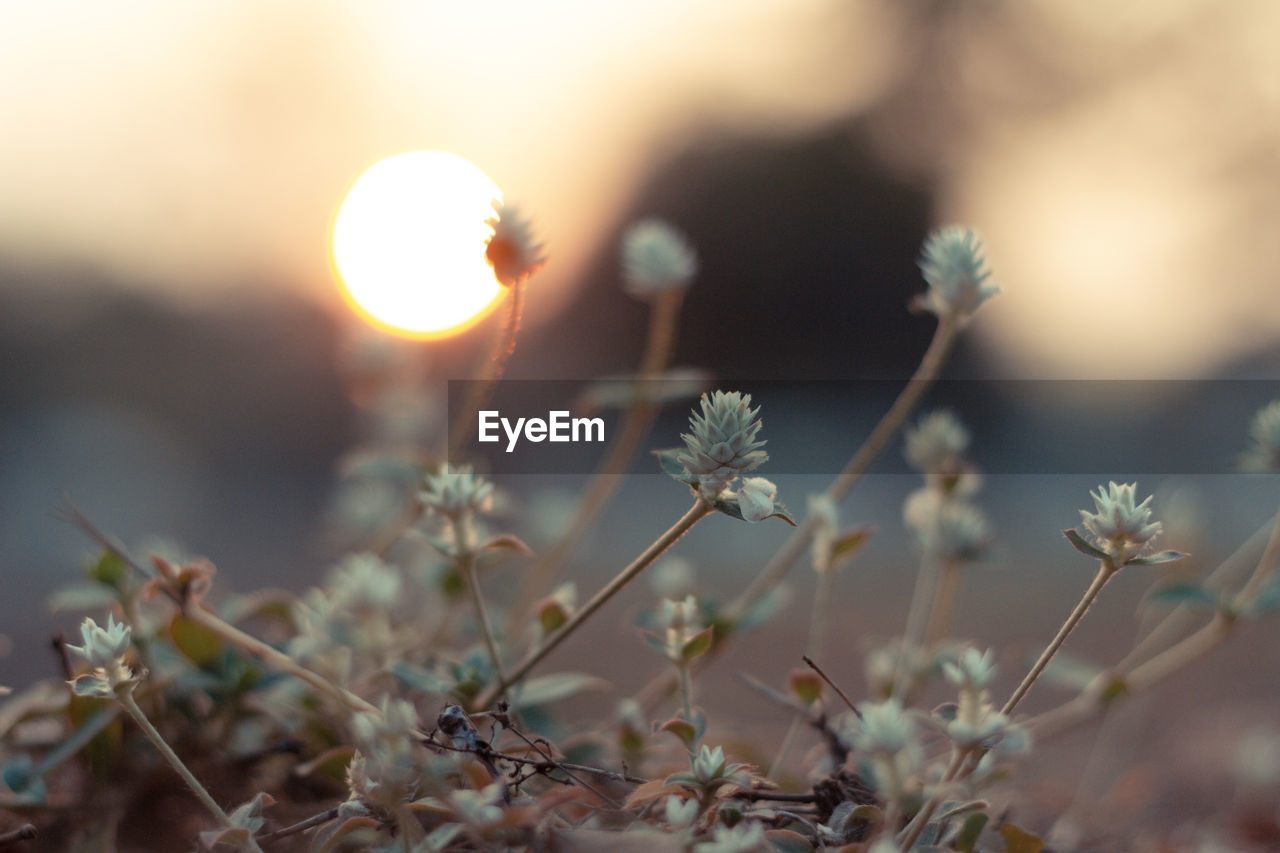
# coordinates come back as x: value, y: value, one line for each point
x: 407, y: 244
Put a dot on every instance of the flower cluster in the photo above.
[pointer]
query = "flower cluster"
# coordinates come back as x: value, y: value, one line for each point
x: 1121, y: 527
x: 453, y: 492
x: 386, y: 769
x: 105, y: 650
x: 1264, y: 455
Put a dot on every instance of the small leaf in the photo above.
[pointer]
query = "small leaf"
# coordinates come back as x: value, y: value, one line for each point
x: 786, y: 841
x: 507, y: 542
x: 1191, y: 594
x: 328, y: 839
x: 850, y: 542
x: 1019, y: 840
x: 673, y: 467
x: 80, y: 597
x: 729, y: 507
x: 551, y: 615
x: 969, y: 832
x: 551, y: 688
x: 782, y: 514
x: 330, y: 764
x: 416, y: 678
x: 1083, y: 546
x: 110, y: 571
x: 697, y: 645
x: 196, y: 642
x: 1155, y: 559
x: 805, y: 685
x: 682, y: 729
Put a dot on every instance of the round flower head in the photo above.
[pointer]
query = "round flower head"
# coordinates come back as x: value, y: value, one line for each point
x: 946, y: 527
x: 1265, y: 432
x: 511, y: 250
x: 952, y: 264
x: 884, y: 728
x: 656, y: 258
x: 721, y: 443
x: 453, y: 492
x: 104, y: 648
x: 1121, y: 527
x: 935, y: 444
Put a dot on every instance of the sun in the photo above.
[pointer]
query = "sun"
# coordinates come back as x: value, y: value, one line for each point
x: 407, y: 244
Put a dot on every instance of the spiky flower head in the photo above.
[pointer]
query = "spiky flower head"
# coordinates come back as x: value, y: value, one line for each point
x: 884, y: 728
x: 681, y: 812
x: 363, y: 582
x: 953, y: 265
x: 722, y: 443
x: 511, y: 250
x: 973, y: 670
x: 104, y: 648
x: 1121, y: 527
x: 656, y: 258
x: 452, y: 492
x: 935, y: 444
x: 1265, y: 432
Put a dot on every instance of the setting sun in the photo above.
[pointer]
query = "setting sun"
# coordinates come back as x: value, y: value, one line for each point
x: 408, y: 244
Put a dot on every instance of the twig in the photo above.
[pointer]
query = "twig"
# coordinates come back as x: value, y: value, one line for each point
x: 832, y: 685
x: 301, y: 826
x: 835, y: 744
x: 550, y: 760
x: 26, y: 832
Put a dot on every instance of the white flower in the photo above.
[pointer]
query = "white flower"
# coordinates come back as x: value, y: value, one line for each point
x: 104, y: 648
x: 656, y: 258
x: 743, y: 838
x: 721, y: 443
x: 884, y: 728
x: 457, y: 491
x: 952, y: 264
x: 1265, y: 432
x: 365, y: 581
x: 948, y: 528
x: 709, y: 764
x: 755, y: 498
x: 681, y: 812
x: 671, y: 577
x: 1121, y: 527
x: 478, y: 808
x: 972, y: 669
x: 935, y: 444
x: 511, y: 250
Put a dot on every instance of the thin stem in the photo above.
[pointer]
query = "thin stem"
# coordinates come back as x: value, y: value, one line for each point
x: 696, y: 513
x: 301, y: 826
x: 466, y: 561
x: 26, y: 832
x: 276, y: 658
x: 126, y: 700
x: 1106, y: 571
x: 930, y: 367
x: 944, y: 602
x: 479, y: 391
x: 663, y: 323
x: 913, y: 635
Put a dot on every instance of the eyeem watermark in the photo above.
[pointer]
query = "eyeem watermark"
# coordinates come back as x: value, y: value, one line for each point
x: 557, y: 427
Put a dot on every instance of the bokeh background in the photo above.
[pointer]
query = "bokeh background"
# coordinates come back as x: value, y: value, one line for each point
x: 172, y: 342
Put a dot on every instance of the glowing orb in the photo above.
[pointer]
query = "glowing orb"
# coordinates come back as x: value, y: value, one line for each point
x: 408, y: 242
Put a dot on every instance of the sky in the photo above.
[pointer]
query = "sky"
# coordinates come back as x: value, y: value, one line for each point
x: 1121, y: 167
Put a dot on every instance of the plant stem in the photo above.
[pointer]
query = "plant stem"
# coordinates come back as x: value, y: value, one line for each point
x: 913, y: 635
x: 126, y: 699
x: 1106, y: 571
x: 663, y: 323
x: 276, y: 658
x: 930, y: 367
x: 696, y: 513
x: 944, y: 602
x: 466, y: 561
x: 479, y: 391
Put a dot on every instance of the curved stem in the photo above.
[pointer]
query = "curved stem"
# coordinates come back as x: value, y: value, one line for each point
x: 696, y: 513
x: 127, y: 701
x: 466, y: 561
x: 663, y: 323
x: 479, y: 392
x: 922, y: 596
x: 1106, y: 571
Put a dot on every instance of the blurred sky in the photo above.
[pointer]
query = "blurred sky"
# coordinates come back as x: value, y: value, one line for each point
x: 1122, y: 165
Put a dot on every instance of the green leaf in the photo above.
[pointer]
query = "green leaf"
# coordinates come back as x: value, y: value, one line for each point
x: 969, y: 832
x: 697, y: 645
x: 850, y: 542
x: 416, y: 678
x: 1182, y: 592
x: 507, y: 542
x: 196, y: 642
x: 551, y: 688
x: 673, y: 467
x: 110, y: 571
x: 81, y: 597
x: 1155, y: 559
x: 730, y: 507
x: 686, y: 731
x: 1019, y: 840
x: 1083, y: 546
